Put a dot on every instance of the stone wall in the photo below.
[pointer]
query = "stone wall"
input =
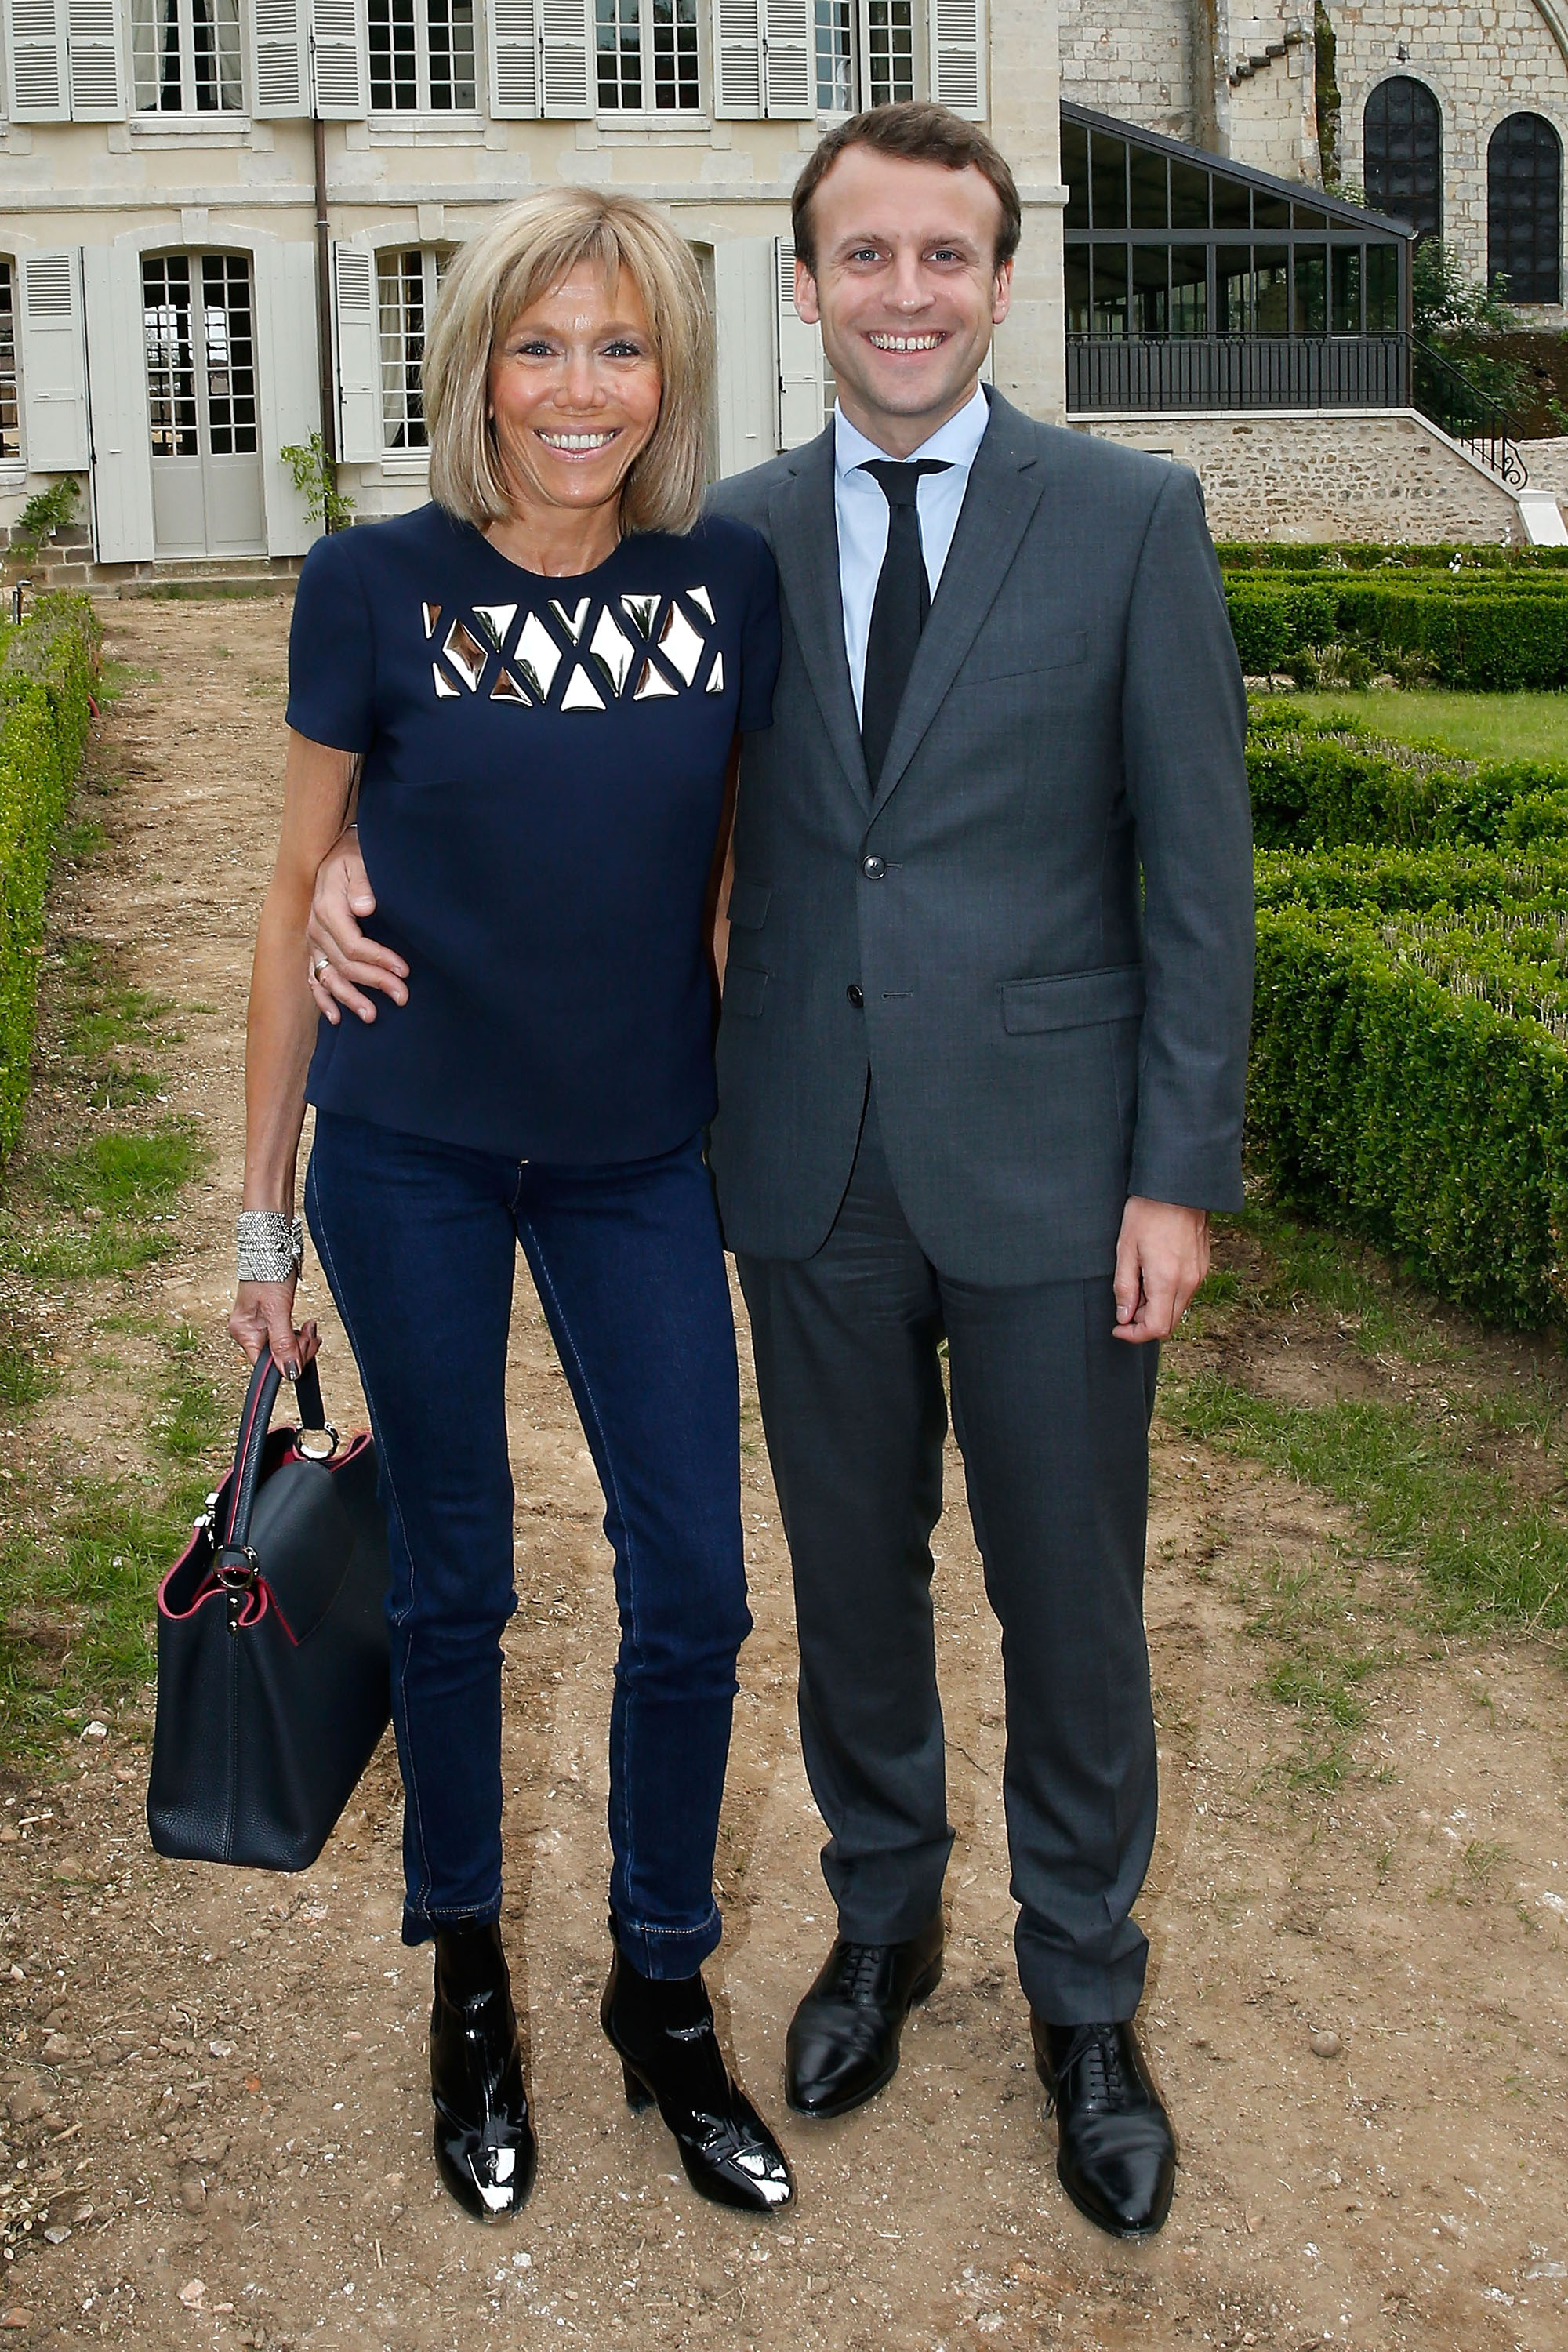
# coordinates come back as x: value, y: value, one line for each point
x: 1481, y: 62
x: 1135, y: 62
x: 1324, y: 474
x: 1269, y: 109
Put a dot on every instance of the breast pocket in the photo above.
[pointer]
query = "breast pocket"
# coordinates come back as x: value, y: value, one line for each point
x: 1042, y: 652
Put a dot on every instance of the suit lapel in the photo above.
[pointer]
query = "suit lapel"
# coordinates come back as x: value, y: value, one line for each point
x: 1005, y: 485
x: 806, y: 549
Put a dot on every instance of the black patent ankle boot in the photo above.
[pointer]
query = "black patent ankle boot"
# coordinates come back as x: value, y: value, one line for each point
x: 485, y: 2148
x: 670, y: 2054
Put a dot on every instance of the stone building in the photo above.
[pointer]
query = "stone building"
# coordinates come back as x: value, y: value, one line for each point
x: 1451, y: 118
x: 223, y: 221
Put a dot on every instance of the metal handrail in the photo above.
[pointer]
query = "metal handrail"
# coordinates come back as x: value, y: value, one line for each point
x: 1467, y: 414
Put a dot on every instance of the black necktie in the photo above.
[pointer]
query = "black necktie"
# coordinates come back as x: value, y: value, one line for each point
x: 899, y: 613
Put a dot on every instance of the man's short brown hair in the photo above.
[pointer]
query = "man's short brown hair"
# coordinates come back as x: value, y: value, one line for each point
x: 921, y: 134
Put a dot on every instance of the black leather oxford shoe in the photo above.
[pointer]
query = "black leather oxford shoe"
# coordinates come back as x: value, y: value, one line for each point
x: 485, y: 2148
x: 1116, y: 2156
x: 669, y: 2054
x: 843, y: 2043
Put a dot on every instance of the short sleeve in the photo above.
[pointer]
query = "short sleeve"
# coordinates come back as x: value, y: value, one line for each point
x: 332, y: 651
x: 761, y: 645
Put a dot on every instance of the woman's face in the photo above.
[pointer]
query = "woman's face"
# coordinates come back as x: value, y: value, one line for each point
x: 574, y: 394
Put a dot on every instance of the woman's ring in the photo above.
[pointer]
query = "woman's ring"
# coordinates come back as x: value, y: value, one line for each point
x: 319, y: 964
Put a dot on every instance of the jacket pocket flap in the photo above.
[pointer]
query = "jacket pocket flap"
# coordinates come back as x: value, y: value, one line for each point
x: 748, y: 904
x: 744, y: 988
x: 1046, y: 653
x: 1073, y: 999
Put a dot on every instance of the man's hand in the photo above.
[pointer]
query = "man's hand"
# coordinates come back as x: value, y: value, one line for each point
x: 1162, y: 1256
x: 343, y: 962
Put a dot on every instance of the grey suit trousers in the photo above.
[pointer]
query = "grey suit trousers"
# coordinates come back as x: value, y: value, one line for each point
x: 1051, y: 1416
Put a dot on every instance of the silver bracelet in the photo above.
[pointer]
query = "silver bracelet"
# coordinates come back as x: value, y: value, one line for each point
x: 271, y: 1245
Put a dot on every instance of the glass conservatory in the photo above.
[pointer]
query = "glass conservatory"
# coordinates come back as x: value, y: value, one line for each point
x: 1194, y: 282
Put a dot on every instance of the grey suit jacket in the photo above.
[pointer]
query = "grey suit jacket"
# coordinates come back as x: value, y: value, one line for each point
x: 1039, y: 937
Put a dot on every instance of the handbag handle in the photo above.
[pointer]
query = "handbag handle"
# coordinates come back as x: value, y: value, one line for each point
x: 255, y: 1418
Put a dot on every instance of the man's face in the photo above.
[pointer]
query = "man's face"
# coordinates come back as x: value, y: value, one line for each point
x: 906, y: 289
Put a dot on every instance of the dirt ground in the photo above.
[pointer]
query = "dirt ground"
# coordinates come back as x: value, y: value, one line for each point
x: 216, y: 2083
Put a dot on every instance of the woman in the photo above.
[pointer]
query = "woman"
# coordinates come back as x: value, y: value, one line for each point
x: 535, y: 682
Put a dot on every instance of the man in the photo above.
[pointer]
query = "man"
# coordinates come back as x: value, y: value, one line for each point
x: 981, y: 1070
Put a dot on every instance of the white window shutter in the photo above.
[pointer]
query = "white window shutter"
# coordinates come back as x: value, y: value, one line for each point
x: 797, y: 349
x: 288, y: 381
x: 93, y: 41
x: 787, y: 59
x: 117, y: 376
x: 566, y: 86
x: 737, y: 59
x: 957, y: 59
x: 36, y: 50
x: 514, y: 60
x: 280, y: 59
x: 745, y: 295
x: 54, y: 380
x: 358, y: 355
x: 340, y: 60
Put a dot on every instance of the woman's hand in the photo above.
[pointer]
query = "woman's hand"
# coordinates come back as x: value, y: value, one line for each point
x: 343, y: 962
x: 263, y: 1317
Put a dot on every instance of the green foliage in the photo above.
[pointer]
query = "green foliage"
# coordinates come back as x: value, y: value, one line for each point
x: 316, y: 480
x: 1271, y: 555
x: 1486, y: 632
x: 46, y: 673
x: 45, y: 512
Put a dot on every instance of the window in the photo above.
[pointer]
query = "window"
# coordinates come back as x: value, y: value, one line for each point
x: 185, y: 55
x: 10, y: 417
x: 201, y: 370
x: 1402, y: 153
x: 864, y: 47
x: 1524, y: 209
x: 422, y: 57
x: 645, y: 56
x: 407, y: 285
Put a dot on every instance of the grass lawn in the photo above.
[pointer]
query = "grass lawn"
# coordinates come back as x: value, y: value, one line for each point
x: 1476, y: 726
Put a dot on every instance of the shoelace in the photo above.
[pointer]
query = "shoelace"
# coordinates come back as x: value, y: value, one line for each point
x: 1098, y: 2054
x: 860, y: 1970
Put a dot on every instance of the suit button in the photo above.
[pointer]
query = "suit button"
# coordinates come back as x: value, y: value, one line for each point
x: 873, y: 868
x: 855, y: 995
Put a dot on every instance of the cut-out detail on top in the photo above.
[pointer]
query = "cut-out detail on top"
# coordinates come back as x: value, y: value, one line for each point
x: 652, y: 685
x: 465, y: 654
x: 432, y: 616
x: 612, y: 649
x: 716, y: 676
x: 496, y: 620
x: 537, y: 657
x: 573, y: 623
x: 507, y: 689
x: 640, y: 612
x: 703, y: 602
x: 680, y: 644
x: 445, y: 690
x: 580, y: 692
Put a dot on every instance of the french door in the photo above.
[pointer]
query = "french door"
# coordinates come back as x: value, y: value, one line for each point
x: 200, y: 396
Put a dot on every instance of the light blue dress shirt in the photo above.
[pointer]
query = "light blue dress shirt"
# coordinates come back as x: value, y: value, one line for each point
x: 861, y: 507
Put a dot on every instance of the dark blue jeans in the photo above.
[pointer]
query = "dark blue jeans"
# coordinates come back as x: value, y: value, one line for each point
x: 419, y: 1242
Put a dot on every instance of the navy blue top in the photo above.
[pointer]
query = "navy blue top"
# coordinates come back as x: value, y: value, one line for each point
x: 542, y: 784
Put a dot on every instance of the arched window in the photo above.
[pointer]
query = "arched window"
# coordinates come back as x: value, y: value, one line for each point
x: 1524, y: 209
x: 1402, y: 153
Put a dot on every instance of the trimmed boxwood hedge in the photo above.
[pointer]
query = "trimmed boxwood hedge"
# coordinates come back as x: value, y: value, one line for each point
x: 1319, y: 788
x: 1408, y: 1084
x: 1243, y: 555
x: 46, y: 673
x: 1480, y: 637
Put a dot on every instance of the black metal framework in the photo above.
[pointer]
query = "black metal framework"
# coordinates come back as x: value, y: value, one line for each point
x: 1524, y: 209
x: 1402, y: 153
x: 1193, y: 283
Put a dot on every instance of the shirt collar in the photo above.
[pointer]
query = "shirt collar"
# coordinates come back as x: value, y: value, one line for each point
x: 956, y: 442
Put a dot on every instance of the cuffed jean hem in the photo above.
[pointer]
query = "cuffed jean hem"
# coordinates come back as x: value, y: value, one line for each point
x: 668, y: 1954
x: 420, y: 1927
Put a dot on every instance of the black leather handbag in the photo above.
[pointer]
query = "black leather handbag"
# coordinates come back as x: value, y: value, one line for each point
x: 273, y: 1678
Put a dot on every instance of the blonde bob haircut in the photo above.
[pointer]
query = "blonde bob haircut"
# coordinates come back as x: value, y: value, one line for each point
x: 521, y: 255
